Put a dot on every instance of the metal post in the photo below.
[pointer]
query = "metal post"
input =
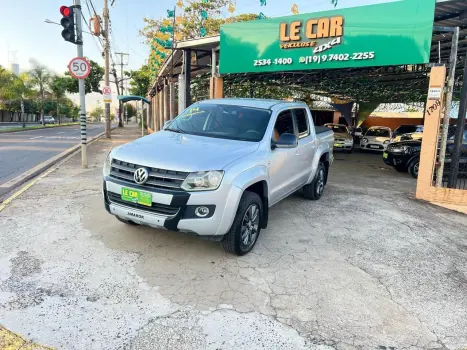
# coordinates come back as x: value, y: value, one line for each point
x: 447, y: 109
x: 187, y: 74
x: 181, y: 93
x: 106, y: 66
x: 172, y: 99
x: 252, y: 90
x: 166, y: 102
x: 452, y: 182
x: 82, y: 91
x: 22, y: 111
x: 142, y: 121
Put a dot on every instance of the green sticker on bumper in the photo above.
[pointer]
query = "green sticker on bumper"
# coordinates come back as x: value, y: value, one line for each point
x: 136, y: 196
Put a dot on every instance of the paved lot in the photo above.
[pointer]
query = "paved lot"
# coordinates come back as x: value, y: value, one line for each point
x: 21, y: 151
x: 365, y: 267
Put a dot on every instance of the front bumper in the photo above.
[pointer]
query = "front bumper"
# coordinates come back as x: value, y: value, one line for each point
x: 176, y: 208
x: 394, y: 159
x: 343, y: 145
x: 373, y: 146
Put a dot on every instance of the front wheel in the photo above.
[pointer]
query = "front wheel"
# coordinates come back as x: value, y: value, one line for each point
x: 246, y: 226
x: 400, y: 168
x: 413, y: 168
x: 315, y: 189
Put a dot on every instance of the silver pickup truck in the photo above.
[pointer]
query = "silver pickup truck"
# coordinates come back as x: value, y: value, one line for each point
x: 217, y: 168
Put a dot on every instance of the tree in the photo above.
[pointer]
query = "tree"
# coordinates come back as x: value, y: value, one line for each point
x: 40, y: 77
x: 191, y: 24
x: 140, y: 80
x: 58, y: 86
x: 97, y: 112
x: 91, y: 83
x: 130, y: 111
x: 13, y: 92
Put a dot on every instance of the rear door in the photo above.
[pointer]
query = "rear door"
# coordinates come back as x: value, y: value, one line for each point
x: 306, y: 143
x: 284, y: 162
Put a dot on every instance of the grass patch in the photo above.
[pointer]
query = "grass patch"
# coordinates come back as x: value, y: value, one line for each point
x: 34, y: 127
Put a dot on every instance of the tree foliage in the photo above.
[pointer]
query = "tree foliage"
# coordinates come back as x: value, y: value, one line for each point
x: 140, y: 80
x: 97, y: 112
x: 130, y: 110
x: 189, y: 24
x: 91, y: 83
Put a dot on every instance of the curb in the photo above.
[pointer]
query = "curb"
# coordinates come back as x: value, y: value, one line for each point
x: 32, y: 129
x: 37, y: 170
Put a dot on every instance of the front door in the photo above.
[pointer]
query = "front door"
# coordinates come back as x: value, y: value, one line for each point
x: 284, y: 162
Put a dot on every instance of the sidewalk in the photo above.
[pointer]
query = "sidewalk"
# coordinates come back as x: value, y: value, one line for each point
x: 363, y: 268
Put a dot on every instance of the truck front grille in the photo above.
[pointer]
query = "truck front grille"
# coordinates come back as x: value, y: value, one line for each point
x: 158, y: 178
x: 156, y: 208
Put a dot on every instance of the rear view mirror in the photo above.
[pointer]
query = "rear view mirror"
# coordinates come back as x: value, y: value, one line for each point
x: 285, y: 141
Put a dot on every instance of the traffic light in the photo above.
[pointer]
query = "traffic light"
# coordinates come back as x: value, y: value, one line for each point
x: 68, y: 23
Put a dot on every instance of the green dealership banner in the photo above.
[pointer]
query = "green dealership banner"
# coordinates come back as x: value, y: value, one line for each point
x: 384, y: 34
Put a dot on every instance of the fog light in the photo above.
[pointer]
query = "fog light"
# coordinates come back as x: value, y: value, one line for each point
x: 202, y: 212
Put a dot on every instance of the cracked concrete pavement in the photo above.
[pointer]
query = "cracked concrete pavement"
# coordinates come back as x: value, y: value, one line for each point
x: 365, y: 267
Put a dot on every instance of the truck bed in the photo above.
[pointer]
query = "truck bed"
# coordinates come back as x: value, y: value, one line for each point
x: 322, y: 129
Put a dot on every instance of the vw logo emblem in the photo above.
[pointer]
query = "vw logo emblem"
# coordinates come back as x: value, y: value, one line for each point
x: 141, y: 176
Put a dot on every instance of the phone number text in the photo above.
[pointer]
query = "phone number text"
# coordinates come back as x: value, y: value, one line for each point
x: 356, y: 56
x: 317, y: 58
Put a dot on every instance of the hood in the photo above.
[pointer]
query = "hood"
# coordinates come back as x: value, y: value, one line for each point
x: 183, y: 152
x: 411, y: 143
x: 342, y: 135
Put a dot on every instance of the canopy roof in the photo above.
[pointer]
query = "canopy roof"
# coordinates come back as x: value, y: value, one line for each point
x: 128, y: 98
x: 406, y: 83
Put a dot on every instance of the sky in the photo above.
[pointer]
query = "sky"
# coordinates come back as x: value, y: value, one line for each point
x: 25, y: 35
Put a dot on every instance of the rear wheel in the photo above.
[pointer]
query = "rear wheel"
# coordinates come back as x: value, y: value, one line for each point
x: 246, y: 227
x: 413, y: 168
x: 315, y: 189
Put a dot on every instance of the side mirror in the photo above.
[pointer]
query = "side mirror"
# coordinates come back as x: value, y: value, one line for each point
x: 285, y: 141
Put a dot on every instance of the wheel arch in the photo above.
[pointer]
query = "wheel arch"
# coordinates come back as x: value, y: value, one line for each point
x: 256, y: 180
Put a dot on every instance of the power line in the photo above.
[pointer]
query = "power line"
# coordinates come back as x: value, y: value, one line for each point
x: 92, y: 5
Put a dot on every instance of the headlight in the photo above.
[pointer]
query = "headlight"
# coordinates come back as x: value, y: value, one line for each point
x: 364, y: 140
x: 386, y: 142
x: 203, y: 181
x: 108, y: 164
x: 402, y: 149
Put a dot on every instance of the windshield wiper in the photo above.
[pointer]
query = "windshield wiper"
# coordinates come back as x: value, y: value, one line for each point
x: 179, y: 131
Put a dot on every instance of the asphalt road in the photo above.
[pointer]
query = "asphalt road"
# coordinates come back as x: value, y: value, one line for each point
x: 21, y: 151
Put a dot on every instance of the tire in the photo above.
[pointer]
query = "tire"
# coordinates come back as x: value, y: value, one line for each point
x: 315, y: 189
x: 400, y: 168
x: 249, y: 216
x: 413, y: 168
x: 128, y: 222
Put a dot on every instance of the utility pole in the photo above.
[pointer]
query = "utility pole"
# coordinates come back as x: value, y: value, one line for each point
x: 82, y: 91
x: 106, y: 65
x: 120, y: 114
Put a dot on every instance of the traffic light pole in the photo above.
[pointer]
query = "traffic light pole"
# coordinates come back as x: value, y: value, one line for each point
x: 82, y: 91
x: 106, y: 66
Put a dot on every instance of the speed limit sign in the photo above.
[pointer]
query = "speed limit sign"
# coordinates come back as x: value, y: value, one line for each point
x: 79, y: 68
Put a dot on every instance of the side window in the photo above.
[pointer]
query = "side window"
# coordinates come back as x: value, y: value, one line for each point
x: 284, y: 124
x: 302, y: 123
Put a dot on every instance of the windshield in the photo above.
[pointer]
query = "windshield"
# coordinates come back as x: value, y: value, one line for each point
x: 222, y: 121
x: 338, y: 128
x: 405, y: 129
x: 378, y: 132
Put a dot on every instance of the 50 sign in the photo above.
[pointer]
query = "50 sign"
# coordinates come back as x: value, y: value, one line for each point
x: 79, y: 68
